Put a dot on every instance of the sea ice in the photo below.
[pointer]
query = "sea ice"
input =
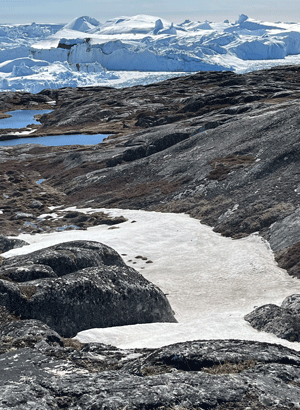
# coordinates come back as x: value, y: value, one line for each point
x: 54, y: 56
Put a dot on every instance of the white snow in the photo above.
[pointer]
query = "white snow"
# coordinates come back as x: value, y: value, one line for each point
x: 8, y: 66
x: 210, y: 281
x: 22, y: 132
x: 84, y: 24
x: 138, y: 50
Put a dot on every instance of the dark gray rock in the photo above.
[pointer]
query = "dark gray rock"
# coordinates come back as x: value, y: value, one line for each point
x: 26, y: 273
x: 292, y: 303
x: 68, y: 257
x: 282, y: 321
x: 6, y: 244
x: 36, y: 204
x: 289, y: 259
x: 211, y: 356
x: 81, y: 285
x: 285, y: 232
x: 27, y: 333
x: 201, y: 374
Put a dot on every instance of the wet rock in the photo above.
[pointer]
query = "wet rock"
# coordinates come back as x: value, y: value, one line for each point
x: 80, y: 285
x: 283, y: 321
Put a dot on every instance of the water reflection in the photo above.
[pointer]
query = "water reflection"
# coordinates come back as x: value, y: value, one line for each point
x: 58, y: 140
x: 21, y: 118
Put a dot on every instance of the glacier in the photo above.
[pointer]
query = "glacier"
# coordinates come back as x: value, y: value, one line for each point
x: 142, y: 49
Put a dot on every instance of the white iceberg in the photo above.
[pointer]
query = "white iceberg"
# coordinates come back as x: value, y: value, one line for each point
x: 84, y: 24
x: 8, y: 66
x: 138, y: 49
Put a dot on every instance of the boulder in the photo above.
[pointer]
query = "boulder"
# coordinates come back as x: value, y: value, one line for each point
x: 6, y: 244
x: 80, y: 285
x: 289, y: 259
x: 292, y: 303
x: 283, y: 321
x: 285, y: 232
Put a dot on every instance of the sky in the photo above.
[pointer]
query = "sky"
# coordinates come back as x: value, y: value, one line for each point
x: 63, y: 11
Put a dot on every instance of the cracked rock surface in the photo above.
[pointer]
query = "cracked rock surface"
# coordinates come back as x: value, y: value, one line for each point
x: 41, y: 370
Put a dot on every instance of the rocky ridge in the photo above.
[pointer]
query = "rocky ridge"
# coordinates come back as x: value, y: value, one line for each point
x: 43, y: 370
x: 223, y: 148
x: 241, y: 130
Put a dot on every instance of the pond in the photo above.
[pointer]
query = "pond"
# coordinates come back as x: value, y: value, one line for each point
x: 21, y: 118
x: 58, y: 140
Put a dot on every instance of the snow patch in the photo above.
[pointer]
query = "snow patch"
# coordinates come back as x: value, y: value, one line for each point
x: 211, y: 281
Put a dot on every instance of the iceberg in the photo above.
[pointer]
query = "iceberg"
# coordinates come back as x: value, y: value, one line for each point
x: 84, y: 24
x: 138, y: 50
x: 8, y: 66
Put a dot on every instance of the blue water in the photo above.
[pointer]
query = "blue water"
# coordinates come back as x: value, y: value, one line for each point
x: 21, y: 118
x: 58, y: 140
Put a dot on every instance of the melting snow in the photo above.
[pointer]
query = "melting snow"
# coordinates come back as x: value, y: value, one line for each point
x: 211, y: 281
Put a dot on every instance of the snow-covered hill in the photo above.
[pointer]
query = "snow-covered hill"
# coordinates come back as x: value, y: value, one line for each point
x: 147, y: 48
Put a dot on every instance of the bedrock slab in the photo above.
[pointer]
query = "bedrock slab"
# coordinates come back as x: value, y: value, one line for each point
x: 219, y: 374
x: 220, y: 146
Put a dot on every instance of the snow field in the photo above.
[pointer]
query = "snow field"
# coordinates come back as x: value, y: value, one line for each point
x: 210, y: 281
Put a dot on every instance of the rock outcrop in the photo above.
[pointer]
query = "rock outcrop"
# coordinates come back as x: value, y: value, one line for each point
x: 283, y: 321
x: 220, y: 146
x: 40, y: 370
x: 289, y: 259
x: 6, y: 244
x: 79, y: 285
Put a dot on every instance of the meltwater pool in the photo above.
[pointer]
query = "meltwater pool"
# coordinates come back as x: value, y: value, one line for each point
x: 58, y: 140
x: 22, y: 118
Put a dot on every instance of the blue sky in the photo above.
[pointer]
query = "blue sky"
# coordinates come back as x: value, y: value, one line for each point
x: 63, y: 11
